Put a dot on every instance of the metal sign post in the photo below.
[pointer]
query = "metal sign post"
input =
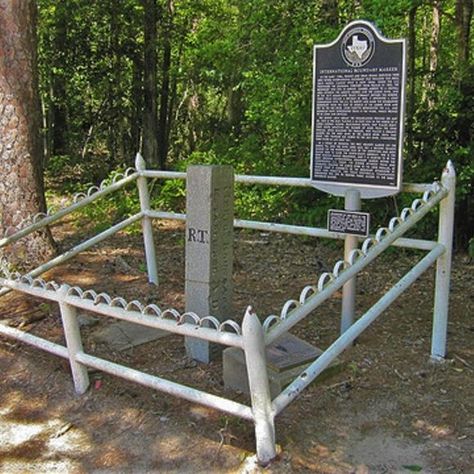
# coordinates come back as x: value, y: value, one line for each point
x: 352, y: 202
x: 357, y: 124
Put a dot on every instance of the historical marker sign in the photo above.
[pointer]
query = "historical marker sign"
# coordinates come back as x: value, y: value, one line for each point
x: 358, y: 106
x: 348, y: 222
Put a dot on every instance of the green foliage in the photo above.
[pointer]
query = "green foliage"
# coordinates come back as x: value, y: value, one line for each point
x: 471, y: 247
x: 413, y: 467
x: 110, y: 209
x: 170, y: 196
x: 240, y: 94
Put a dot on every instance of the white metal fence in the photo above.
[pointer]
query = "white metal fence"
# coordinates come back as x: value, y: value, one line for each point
x: 252, y: 337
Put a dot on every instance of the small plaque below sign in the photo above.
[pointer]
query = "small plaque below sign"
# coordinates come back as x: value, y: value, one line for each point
x: 348, y: 222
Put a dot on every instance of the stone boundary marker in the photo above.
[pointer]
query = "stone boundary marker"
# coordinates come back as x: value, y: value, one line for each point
x: 209, y: 248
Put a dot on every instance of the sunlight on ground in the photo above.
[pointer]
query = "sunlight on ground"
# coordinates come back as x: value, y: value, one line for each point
x: 36, y: 446
x: 437, y: 431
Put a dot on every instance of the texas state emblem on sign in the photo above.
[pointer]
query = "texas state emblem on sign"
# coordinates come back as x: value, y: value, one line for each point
x: 358, y: 109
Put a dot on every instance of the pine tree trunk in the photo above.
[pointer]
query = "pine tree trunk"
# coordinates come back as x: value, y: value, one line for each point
x: 58, y: 116
x: 434, y: 54
x: 464, y: 12
x: 21, y: 183
x: 164, y: 117
x: 330, y: 12
x: 410, y: 111
x: 150, y: 118
x: 137, y: 101
x: 465, y: 119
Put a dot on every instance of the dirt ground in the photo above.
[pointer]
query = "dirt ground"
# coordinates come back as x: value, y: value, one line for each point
x: 388, y: 410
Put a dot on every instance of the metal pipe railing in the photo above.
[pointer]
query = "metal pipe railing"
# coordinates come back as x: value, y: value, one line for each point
x: 167, y: 386
x: 40, y: 343
x: 284, y: 325
x: 418, y: 244
x: 251, y: 338
x: 147, y: 227
x: 443, y: 266
x: 79, y: 248
x: 48, y: 220
x: 347, y: 338
x: 272, y: 180
x: 259, y: 387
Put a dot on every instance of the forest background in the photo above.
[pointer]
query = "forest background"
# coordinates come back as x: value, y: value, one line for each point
x: 230, y: 81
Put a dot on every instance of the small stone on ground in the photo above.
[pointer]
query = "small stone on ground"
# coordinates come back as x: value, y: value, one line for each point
x: 124, y: 335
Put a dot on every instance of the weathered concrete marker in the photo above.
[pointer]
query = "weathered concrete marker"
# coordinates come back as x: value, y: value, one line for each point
x: 209, y: 248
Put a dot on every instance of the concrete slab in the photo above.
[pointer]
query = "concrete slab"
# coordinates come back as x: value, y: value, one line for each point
x: 123, y: 335
x: 287, y: 357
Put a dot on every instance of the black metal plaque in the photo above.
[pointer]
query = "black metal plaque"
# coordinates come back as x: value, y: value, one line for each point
x: 358, y: 108
x: 348, y: 222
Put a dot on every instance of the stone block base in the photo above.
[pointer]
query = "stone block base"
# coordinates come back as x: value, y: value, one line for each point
x: 287, y: 357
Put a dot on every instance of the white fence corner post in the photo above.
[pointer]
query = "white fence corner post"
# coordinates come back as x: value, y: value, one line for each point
x: 72, y: 334
x: 150, y: 252
x: 255, y: 360
x: 443, y: 265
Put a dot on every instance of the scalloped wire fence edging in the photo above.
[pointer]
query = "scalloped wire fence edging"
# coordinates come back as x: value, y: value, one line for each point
x: 69, y: 298
x: 294, y: 311
x: 252, y: 337
x: 80, y: 200
x: 186, y: 324
x: 308, y: 375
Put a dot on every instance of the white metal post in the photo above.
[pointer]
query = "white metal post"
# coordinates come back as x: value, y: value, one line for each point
x: 443, y: 266
x: 255, y: 360
x: 293, y: 390
x: 147, y: 227
x: 74, y: 344
x: 352, y: 202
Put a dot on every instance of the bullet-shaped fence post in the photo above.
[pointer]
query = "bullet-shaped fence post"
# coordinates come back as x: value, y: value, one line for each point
x: 147, y: 227
x: 72, y: 334
x: 443, y: 265
x: 255, y: 360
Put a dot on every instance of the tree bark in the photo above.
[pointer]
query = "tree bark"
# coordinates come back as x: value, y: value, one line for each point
x: 21, y: 184
x: 164, y: 116
x: 137, y: 101
x: 330, y: 12
x: 464, y: 9
x: 465, y: 118
x: 150, y: 119
x: 58, y: 84
x: 411, y: 79
x: 434, y: 54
